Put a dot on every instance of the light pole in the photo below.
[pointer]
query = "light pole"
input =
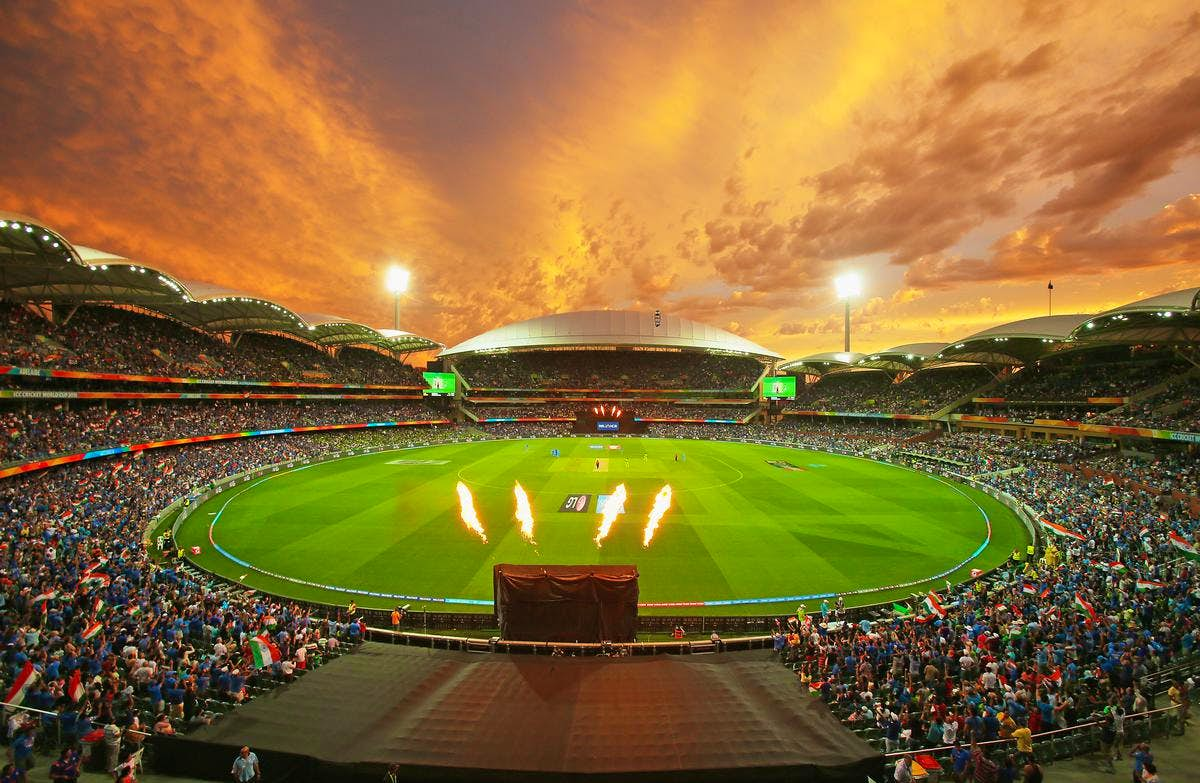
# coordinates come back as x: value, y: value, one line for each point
x: 396, y: 283
x: 849, y: 286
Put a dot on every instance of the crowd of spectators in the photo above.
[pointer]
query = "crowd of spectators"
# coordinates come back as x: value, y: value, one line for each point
x: 1176, y: 407
x: 1076, y: 377
x: 1171, y: 471
x: 533, y: 409
x: 156, y: 649
x: 529, y: 429
x: 109, y: 339
x: 39, y: 431
x: 672, y: 410
x: 609, y: 370
x: 982, y: 452
x: 929, y: 390
x: 873, y: 391
x: 1032, y: 411
x: 841, y: 391
x: 1014, y: 657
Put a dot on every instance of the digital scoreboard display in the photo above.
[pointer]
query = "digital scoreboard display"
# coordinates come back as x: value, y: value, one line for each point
x: 608, y: 426
x: 441, y: 384
x: 780, y: 387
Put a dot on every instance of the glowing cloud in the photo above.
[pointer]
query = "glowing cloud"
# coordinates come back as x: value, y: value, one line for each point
x: 524, y: 512
x: 614, y: 506
x: 662, y: 502
x: 466, y: 506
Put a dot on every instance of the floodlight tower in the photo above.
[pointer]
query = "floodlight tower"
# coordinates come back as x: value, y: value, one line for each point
x: 849, y: 286
x: 396, y: 283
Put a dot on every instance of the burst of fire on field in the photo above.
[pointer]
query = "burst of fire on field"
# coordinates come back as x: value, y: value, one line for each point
x: 616, y: 502
x: 524, y: 512
x: 662, y: 502
x: 466, y: 509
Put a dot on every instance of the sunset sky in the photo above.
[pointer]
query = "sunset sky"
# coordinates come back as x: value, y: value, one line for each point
x: 720, y: 161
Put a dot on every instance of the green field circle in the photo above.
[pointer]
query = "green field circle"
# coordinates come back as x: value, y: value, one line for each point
x: 740, y: 527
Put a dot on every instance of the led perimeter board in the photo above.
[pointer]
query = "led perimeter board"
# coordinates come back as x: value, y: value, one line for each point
x: 780, y: 387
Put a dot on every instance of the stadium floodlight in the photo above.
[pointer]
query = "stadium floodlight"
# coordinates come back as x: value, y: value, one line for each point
x: 849, y: 286
x: 396, y: 283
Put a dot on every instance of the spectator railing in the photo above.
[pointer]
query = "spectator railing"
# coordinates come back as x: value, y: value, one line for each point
x: 1072, y: 741
x: 497, y: 645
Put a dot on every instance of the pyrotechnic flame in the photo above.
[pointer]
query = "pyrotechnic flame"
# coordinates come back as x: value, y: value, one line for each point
x: 524, y: 513
x: 662, y: 502
x: 466, y: 508
x: 616, y: 501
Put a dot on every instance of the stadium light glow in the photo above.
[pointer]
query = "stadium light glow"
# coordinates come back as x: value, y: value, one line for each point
x: 849, y: 286
x: 396, y: 282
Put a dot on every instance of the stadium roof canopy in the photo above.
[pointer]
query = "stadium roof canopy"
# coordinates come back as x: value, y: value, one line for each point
x: 1019, y: 342
x: 609, y: 328
x: 39, y: 265
x: 821, y: 363
x: 1167, y: 318
x: 901, y: 358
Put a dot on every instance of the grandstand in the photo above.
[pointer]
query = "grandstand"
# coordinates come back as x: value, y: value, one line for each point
x: 131, y: 395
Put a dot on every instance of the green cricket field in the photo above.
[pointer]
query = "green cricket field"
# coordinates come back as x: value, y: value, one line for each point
x: 751, y: 529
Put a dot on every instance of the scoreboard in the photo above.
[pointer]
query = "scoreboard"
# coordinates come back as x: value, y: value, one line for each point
x: 607, y: 419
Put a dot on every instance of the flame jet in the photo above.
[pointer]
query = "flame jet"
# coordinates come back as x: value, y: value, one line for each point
x: 524, y: 512
x: 616, y: 502
x: 662, y: 502
x: 466, y: 506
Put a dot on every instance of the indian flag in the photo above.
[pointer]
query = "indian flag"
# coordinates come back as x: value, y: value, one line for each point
x: 1144, y: 532
x: 265, y: 651
x: 1185, y: 546
x: 92, y: 581
x: 1059, y: 530
x: 1085, y: 607
x: 933, y: 605
x: 1029, y: 589
x: 75, y: 687
x: 48, y: 596
x: 1150, y: 584
x: 92, y: 631
x: 97, y: 605
x: 16, y: 694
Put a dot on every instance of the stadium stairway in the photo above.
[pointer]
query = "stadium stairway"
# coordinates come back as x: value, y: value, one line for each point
x: 966, y: 398
x: 1166, y: 385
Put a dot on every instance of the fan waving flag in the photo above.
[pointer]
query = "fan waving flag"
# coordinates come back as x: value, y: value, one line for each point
x: 934, y: 606
x: 25, y: 679
x: 1059, y: 530
x: 1086, y: 608
x: 1029, y: 589
x: 75, y: 686
x: 1183, y: 545
x: 92, y: 631
x: 265, y: 651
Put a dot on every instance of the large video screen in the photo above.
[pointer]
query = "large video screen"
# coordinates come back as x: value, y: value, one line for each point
x: 441, y: 384
x: 780, y: 387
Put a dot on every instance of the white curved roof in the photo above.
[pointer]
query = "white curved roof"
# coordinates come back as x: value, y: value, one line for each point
x: 609, y: 327
x: 1182, y: 300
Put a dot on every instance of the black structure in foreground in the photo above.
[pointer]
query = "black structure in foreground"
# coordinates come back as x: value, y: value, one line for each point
x: 566, y: 603
x: 450, y: 716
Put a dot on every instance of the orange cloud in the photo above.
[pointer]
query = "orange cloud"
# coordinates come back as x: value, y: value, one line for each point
x: 693, y: 157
